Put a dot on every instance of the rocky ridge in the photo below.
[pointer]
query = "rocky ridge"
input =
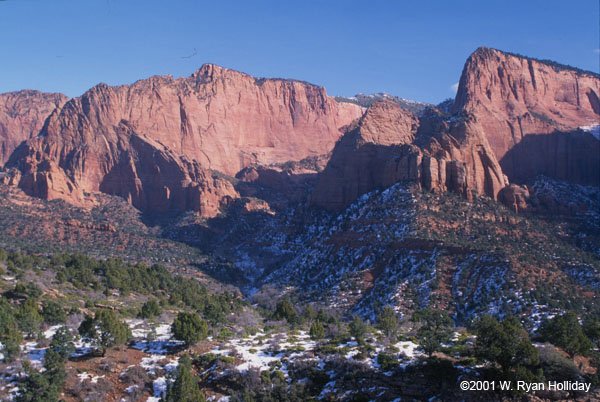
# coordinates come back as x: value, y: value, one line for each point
x: 390, y: 144
x: 22, y: 115
x: 514, y: 118
x: 156, y: 142
x: 532, y: 112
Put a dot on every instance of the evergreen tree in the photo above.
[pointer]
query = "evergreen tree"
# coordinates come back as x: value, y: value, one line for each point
x: 46, y: 386
x: 507, y: 344
x: 38, y: 387
x: 591, y: 328
x: 28, y: 317
x: 105, y: 328
x: 62, y: 343
x: 387, y: 321
x: 285, y: 311
x: 53, y: 313
x: 565, y: 332
x: 189, y: 328
x: 358, y: 329
x: 11, y: 339
x: 323, y: 316
x: 310, y: 313
x: 185, y: 388
x: 316, y: 330
x: 9, y: 334
x: 435, y: 329
x: 150, y: 309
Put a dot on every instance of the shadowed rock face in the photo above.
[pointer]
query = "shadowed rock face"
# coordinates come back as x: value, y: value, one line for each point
x: 155, y: 142
x: 512, y: 115
x: 22, y: 115
x: 530, y: 112
x: 159, y: 141
x: 390, y: 144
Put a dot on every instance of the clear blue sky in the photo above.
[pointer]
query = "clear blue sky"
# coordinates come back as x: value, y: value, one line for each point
x: 413, y: 49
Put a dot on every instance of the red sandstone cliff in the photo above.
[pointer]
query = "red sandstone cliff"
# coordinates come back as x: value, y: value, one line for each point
x: 390, y: 144
x: 530, y: 112
x: 22, y: 115
x: 512, y: 116
x: 156, y: 141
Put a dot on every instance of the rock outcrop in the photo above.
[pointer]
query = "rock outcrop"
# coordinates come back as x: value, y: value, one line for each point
x: 515, y: 197
x: 530, y: 112
x: 389, y: 144
x: 156, y: 142
x: 22, y: 115
x: 513, y: 118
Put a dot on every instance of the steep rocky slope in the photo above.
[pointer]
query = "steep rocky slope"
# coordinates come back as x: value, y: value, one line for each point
x: 390, y: 144
x: 156, y: 142
x: 409, y: 249
x: 531, y: 112
x: 22, y: 115
x: 513, y: 119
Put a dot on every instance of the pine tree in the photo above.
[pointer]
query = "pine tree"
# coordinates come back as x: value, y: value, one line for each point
x: 285, y: 311
x: 316, y: 330
x: 28, y: 317
x: 185, y: 388
x: 105, y: 328
x: 565, y: 332
x: 189, y: 328
x: 387, y: 321
x: 507, y: 344
x: 150, y: 309
x: 435, y: 329
x: 62, y: 343
x: 53, y: 313
x: 310, y: 313
x: 358, y: 329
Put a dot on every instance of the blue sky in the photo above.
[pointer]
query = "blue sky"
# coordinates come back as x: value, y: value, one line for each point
x: 413, y: 49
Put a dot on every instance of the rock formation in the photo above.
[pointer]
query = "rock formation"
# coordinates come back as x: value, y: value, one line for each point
x: 389, y: 144
x: 530, y: 112
x: 165, y: 143
x: 157, y: 141
x: 512, y: 116
x: 22, y: 115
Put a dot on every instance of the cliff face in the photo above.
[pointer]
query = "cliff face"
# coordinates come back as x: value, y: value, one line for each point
x: 159, y: 141
x: 155, y: 142
x: 530, y: 112
x: 22, y: 115
x: 512, y: 117
x: 390, y: 144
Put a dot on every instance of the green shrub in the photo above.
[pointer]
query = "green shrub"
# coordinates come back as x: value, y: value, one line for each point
x: 565, y: 332
x: 317, y: 331
x: 53, y: 313
x: 189, y: 328
x: 150, y: 309
x: 387, y: 361
x: 105, y: 329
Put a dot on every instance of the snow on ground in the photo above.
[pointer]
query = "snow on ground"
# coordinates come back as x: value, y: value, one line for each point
x: 409, y: 349
x: 159, y: 385
x: 34, y: 354
x: 154, y: 340
x: 82, y: 348
x: 87, y: 376
x: 49, y: 333
x: 259, y: 351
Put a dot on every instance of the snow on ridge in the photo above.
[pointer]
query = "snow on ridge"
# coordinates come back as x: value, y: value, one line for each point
x: 593, y: 129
